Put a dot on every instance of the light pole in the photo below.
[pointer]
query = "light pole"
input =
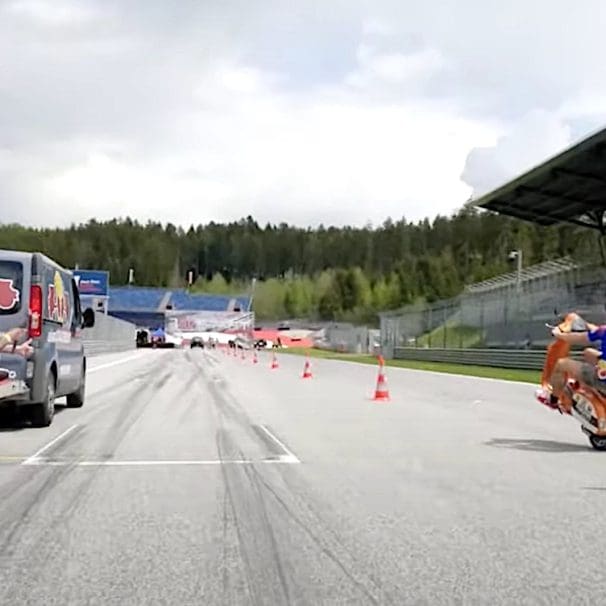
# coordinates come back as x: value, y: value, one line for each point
x: 517, y: 255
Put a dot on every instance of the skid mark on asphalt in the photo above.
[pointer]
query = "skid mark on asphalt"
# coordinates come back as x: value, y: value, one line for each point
x: 33, y: 531
x: 257, y: 545
x: 267, y: 523
x: 127, y: 411
x: 327, y: 542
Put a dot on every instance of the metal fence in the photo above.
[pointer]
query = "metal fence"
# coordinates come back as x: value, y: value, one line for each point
x: 347, y: 338
x: 505, y: 313
x: 108, y: 335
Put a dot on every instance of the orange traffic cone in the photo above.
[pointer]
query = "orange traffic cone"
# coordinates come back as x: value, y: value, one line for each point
x: 381, y: 391
x: 274, y: 361
x: 307, y: 369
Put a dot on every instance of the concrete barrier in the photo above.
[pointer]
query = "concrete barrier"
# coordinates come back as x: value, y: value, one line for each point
x: 108, y: 335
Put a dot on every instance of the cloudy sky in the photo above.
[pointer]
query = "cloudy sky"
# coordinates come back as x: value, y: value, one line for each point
x: 333, y: 111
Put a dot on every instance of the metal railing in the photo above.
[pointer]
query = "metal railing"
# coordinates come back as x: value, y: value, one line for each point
x: 531, y: 359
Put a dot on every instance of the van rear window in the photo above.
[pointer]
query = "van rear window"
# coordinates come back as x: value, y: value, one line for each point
x: 11, y: 285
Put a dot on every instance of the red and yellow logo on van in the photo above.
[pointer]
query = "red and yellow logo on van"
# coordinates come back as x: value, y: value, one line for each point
x: 57, y: 302
x: 9, y: 295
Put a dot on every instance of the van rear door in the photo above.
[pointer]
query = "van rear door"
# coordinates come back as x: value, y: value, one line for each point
x: 13, y: 298
x: 14, y: 301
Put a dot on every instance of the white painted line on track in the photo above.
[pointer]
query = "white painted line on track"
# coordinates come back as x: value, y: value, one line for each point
x: 33, y: 460
x: 289, y: 456
x: 166, y: 462
x: 114, y: 363
x: 43, y: 463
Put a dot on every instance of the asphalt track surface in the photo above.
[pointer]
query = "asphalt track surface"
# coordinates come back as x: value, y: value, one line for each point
x: 190, y: 477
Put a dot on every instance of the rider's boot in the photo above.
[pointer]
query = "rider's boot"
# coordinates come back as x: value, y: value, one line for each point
x: 544, y: 396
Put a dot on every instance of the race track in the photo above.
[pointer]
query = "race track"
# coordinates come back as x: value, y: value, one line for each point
x: 190, y: 477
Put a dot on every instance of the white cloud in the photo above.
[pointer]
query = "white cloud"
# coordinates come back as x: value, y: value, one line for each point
x: 394, y: 68
x: 532, y: 140
x: 377, y: 27
x: 241, y: 79
x: 328, y: 112
x: 54, y: 13
x: 281, y: 159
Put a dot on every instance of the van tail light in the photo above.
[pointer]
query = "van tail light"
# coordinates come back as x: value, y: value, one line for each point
x: 35, y: 312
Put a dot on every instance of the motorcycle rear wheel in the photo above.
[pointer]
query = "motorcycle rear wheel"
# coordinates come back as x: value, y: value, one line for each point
x: 598, y: 442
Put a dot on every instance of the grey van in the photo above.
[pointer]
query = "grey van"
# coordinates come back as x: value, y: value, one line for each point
x: 42, y: 297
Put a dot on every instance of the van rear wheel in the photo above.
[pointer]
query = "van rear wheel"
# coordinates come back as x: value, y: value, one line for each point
x: 43, y: 412
x: 76, y: 399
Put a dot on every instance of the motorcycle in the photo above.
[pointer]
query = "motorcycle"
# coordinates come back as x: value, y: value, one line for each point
x: 582, y: 402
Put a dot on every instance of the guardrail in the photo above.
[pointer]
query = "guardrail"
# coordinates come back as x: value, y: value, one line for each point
x: 109, y: 335
x: 524, y: 359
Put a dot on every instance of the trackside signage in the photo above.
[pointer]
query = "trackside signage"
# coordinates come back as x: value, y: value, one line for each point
x: 92, y: 283
x: 202, y: 321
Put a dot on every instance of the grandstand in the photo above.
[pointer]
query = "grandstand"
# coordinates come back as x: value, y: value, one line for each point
x: 502, y: 312
x: 147, y: 306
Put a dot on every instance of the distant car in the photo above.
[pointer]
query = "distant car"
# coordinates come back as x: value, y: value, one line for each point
x: 196, y: 342
x: 142, y: 338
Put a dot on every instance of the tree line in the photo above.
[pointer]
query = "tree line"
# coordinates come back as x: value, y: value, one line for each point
x: 326, y: 272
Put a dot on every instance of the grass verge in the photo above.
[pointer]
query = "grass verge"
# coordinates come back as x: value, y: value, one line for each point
x: 505, y: 374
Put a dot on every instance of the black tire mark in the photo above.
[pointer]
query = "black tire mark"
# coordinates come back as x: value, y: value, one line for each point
x: 229, y: 407
x: 256, y: 541
x: 21, y: 483
x: 132, y: 381
x: 222, y: 439
x: 22, y: 506
x: 269, y: 532
x: 53, y: 536
x: 25, y: 476
x: 185, y: 390
x: 323, y: 545
x: 130, y: 413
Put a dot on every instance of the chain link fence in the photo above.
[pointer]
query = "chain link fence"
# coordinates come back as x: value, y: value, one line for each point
x: 348, y: 338
x: 509, y: 312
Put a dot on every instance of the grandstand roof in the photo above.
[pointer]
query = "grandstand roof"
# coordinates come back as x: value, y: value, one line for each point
x: 533, y: 272
x: 568, y: 188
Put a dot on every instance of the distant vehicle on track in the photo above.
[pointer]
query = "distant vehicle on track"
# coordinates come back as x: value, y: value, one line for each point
x: 143, y: 338
x: 196, y: 342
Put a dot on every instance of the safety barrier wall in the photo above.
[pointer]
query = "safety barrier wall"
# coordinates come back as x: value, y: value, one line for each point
x: 109, y: 334
x: 501, y: 358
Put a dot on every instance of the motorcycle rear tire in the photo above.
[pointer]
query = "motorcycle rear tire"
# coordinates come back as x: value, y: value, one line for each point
x: 598, y: 442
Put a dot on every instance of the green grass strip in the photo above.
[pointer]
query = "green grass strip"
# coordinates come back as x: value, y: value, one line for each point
x: 505, y: 374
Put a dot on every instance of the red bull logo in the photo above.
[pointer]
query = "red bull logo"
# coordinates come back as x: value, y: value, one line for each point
x: 57, y: 300
x: 9, y: 295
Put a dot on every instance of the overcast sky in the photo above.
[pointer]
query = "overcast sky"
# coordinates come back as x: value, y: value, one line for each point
x: 340, y: 112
